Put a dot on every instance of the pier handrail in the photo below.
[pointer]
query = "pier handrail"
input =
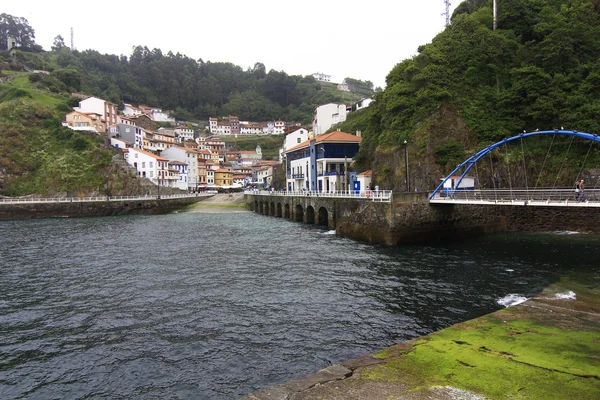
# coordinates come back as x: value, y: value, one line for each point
x: 373, y: 195
x: 30, y: 200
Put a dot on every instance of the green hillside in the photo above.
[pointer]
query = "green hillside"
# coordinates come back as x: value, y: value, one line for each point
x: 473, y: 86
x: 192, y: 89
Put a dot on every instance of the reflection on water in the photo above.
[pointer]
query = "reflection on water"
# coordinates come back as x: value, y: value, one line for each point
x: 217, y: 305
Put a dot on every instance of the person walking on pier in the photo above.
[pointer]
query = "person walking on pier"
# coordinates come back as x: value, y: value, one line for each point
x: 581, y: 194
x: 577, y: 190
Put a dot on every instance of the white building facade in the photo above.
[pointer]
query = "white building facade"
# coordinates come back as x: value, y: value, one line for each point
x: 150, y: 166
x: 328, y: 115
x: 188, y: 156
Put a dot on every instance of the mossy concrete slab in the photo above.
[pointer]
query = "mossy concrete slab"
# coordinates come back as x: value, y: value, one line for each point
x: 546, y: 348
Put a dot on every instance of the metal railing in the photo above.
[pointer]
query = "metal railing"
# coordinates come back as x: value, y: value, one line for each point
x: 373, y: 195
x: 31, y: 200
x: 521, y: 196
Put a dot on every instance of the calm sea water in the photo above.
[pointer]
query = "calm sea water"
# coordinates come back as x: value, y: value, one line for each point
x: 215, y: 306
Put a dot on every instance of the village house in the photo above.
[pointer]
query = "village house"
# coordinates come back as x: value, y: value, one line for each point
x: 328, y: 115
x: 223, y: 177
x: 80, y: 121
x: 188, y: 156
x: 292, y: 139
x: 181, y: 170
x: 129, y: 109
x: 108, y: 111
x: 151, y: 166
x: 128, y: 133
x: 321, y: 163
x: 184, y: 133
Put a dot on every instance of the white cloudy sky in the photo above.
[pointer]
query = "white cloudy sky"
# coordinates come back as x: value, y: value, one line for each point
x: 343, y: 38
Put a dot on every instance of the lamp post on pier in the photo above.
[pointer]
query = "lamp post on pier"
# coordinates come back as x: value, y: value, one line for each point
x: 406, y: 161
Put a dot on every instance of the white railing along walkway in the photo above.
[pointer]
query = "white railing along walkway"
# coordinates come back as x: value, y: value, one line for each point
x: 538, y: 197
x: 373, y: 195
x: 32, y: 200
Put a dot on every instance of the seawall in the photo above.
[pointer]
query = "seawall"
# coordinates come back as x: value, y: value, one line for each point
x: 411, y: 218
x: 94, y: 208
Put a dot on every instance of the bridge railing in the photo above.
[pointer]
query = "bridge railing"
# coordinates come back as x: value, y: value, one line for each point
x: 30, y: 200
x: 546, y: 195
x: 373, y: 195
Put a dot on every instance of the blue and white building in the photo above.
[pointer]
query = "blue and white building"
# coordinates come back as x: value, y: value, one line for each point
x: 321, y: 164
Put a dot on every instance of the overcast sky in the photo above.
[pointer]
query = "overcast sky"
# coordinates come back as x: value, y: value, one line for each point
x: 358, y: 39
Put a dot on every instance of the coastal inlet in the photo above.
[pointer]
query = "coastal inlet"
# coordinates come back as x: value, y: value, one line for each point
x: 216, y: 305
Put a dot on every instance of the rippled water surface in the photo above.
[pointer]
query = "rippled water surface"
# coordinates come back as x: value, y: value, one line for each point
x: 215, y: 306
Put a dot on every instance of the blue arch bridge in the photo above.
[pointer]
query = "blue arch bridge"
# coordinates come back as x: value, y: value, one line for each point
x: 463, y: 185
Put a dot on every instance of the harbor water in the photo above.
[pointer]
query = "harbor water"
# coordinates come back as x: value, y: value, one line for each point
x: 198, y: 305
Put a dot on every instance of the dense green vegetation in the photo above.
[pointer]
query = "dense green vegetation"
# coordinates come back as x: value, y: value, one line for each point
x: 472, y: 86
x: 193, y: 89
x: 40, y: 156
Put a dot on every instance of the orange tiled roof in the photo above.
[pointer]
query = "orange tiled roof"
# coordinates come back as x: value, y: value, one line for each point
x: 147, y: 153
x: 333, y: 137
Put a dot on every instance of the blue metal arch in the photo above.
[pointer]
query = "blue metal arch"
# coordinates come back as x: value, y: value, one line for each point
x: 469, y: 162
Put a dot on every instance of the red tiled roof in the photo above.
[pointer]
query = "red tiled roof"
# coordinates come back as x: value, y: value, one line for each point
x: 333, y: 137
x: 147, y: 153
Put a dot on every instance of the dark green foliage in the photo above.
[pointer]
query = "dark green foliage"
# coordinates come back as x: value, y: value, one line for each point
x: 40, y: 156
x: 450, y: 153
x: 538, y: 70
x: 193, y: 89
x: 70, y: 77
x: 19, y: 29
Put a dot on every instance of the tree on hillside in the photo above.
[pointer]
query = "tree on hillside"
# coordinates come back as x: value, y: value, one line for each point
x: 59, y: 43
x: 19, y: 29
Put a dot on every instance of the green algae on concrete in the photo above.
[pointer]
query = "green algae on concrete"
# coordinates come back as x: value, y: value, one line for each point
x: 547, y: 348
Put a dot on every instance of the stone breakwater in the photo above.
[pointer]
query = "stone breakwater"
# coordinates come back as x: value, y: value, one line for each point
x: 94, y: 208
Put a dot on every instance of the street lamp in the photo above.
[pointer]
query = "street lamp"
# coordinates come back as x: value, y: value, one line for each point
x: 406, y: 161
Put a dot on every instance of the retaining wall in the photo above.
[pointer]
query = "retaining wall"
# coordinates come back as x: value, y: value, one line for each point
x: 93, y: 208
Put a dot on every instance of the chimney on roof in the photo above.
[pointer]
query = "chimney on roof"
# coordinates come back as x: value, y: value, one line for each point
x: 359, y: 133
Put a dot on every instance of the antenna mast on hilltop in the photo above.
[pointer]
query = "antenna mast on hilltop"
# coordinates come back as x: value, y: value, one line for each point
x: 447, y: 13
x: 495, y: 14
x: 72, y: 35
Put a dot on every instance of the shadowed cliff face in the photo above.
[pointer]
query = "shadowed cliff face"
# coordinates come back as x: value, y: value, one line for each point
x: 427, y: 159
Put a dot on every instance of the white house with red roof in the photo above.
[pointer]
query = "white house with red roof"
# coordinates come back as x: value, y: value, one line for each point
x: 149, y: 165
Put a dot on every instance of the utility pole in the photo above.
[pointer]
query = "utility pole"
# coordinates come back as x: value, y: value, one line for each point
x: 72, y: 40
x: 447, y: 13
x: 406, y: 161
x: 495, y: 14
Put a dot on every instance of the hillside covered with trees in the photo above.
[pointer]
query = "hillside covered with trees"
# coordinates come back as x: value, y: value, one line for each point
x: 193, y: 89
x: 473, y: 86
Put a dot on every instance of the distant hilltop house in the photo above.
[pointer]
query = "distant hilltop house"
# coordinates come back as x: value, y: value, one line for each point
x: 321, y: 77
